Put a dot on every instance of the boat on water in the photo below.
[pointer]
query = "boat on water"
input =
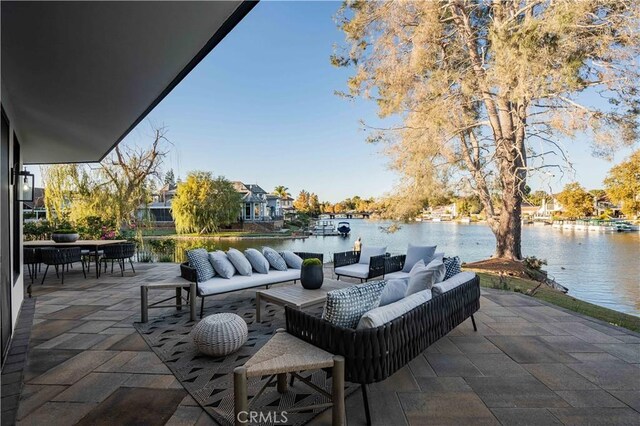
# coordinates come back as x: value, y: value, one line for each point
x: 465, y: 220
x: 324, y: 228
x: 344, y: 228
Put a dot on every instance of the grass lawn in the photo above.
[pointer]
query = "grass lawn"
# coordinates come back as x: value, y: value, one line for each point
x: 224, y: 234
x: 521, y: 285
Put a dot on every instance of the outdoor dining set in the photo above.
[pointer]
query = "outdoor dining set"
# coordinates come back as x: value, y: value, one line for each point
x: 62, y: 256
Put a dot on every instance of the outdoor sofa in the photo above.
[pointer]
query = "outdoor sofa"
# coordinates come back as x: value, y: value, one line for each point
x: 218, y: 285
x: 348, y: 263
x: 373, y: 354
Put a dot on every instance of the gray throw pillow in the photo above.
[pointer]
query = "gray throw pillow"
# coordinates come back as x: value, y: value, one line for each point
x: 394, y: 290
x: 221, y: 264
x: 257, y: 260
x: 423, y: 277
x: 416, y: 253
x: 199, y: 260
x: 344, y: 307
x: 293, y: 260
x: 367, y: 251
x: 275, y: 260
x: 239, y: 262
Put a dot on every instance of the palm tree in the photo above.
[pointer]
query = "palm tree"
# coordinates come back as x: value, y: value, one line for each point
x: 281, y: 191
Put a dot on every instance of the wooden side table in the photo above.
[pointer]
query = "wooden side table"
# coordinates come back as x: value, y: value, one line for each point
x: 178, y: 286
x: 284, y: 354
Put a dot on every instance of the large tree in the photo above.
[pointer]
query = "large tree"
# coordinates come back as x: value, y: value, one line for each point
x: 576, y: 202
x: 203, y: 203
x: 486, y: 89
x: 622, y: 185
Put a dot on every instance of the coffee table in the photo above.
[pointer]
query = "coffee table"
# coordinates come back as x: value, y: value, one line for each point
x: 296, y: 296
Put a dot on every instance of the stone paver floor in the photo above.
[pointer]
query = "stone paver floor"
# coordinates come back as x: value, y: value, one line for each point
x: 529, y: 363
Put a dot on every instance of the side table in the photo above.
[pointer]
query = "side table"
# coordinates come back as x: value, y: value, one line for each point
x: 284, y: 354
x: 178, y: 286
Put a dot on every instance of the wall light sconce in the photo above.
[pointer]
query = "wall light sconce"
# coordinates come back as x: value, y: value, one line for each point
x: 24, y: 185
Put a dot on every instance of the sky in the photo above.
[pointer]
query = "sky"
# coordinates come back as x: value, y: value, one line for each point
x: 261, y: 108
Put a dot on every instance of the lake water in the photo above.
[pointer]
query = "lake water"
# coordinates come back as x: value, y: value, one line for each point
x: 601, y: 268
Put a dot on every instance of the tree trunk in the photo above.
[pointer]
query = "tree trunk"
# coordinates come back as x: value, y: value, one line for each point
x: 508, y: 228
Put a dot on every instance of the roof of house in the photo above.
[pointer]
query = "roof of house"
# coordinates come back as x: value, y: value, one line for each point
x: 250, y: 197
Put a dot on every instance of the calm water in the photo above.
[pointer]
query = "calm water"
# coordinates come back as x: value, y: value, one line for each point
x: 600, y: 268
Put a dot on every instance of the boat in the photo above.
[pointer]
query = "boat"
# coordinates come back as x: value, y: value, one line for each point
x: 324, y: 228
x: 465, y: 220
x: 344, y: 228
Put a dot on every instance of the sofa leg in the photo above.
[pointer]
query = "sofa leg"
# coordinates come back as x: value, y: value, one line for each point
x: 202, y: 308
x: 473, y: 321
x: 365, y: 399
x: 338, y: 277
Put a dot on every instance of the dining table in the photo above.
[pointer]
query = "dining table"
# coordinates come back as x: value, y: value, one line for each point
x: 93, y: 245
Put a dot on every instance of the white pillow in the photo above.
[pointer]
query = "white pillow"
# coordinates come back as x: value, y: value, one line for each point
x: 239, y: 262
x: 394, y: 290
x: 257, y: 260
x: 368, y: 251
x: 221, y: 264
x: 423, y: 277
x: 416, y: 253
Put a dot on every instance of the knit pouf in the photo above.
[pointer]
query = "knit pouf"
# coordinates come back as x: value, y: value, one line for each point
x: 220, y: 334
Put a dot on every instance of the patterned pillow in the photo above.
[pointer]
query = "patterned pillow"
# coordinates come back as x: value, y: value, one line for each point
x: 452, y: 264
x: 346, y: 306
x: 275, y: 260
x: 199, y: 260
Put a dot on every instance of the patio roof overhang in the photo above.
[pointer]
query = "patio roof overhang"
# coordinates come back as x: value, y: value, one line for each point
x: 79, y: 76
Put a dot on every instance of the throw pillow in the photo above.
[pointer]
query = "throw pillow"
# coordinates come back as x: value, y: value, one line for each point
x: 291, y: 259
x: 394, y: 291
x: 257, y: 260
x: 239, y: 262
x: 416, y: 253
x: 344, y: 307
x: 453, y: 267
x: 199, y: 260
x: 423, y: 277
x: 368, y: 251
x: 221, y: 264
x: 275, y: 260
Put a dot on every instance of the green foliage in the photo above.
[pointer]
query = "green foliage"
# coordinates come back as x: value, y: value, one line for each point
x: 533, y: 262
x: 576, y: 201
x: 281, y: 191
x: 307, y: 203
x: 203, y: 203
x: 622, y: 185
x: 312, y: 261
x: 40, y: 230
x: 65, y: 231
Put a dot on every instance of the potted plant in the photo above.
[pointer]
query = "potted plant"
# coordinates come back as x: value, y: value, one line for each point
x: 65, y: 235
x: 311, y: 274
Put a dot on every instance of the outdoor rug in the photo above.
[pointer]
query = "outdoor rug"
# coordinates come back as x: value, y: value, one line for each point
x: 210, y: 380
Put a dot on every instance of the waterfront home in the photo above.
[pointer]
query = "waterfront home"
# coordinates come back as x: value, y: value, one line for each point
x: 254, y: 201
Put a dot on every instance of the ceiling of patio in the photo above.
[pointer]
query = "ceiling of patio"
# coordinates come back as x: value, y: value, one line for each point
x: 80, y: 75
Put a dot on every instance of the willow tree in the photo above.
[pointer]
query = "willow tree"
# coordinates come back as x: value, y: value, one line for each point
x: 485, y: 90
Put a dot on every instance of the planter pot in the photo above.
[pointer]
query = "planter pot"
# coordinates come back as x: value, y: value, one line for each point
x: 311, y: 277
x: 64, y: 238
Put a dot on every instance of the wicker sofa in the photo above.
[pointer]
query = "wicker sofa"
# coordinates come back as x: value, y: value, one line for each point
x: 373, y: 354
x: 219, y: 285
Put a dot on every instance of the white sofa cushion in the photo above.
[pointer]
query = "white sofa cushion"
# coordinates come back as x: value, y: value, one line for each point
x: 394, y: 290
x: 368, y: 251
x: 239, y: 262
x: 423, y: 277
x: 291, y: 259
x: 357, y: 270
x: 416, y: 253
x: 218, y: 285
x: 396, y: 275
x: 452, y: 282
x: 222, y: 264
x: 257, y: 260
x: 383, y: 314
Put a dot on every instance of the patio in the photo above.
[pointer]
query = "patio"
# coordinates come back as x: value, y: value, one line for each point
x: 529, y: 363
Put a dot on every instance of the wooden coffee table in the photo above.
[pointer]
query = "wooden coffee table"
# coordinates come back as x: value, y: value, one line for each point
x: 296, y: 296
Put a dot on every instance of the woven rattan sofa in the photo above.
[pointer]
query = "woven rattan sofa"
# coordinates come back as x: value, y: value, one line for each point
x: 373, y: 354
x: 219, y: 285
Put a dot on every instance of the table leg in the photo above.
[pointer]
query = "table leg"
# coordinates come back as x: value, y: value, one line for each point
x: 258, y: 302
x: 144, y: 310
x: 179, y: 298
x: 282, y: 383
x: 192, y: 300
x: 95, y: 252
x: 241, y: 405
x: 337, y: 392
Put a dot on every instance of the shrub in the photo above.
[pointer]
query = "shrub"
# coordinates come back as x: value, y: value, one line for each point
x: 533, y: 262
x: 65, y: 231
x: 165, y: 258
x: 312, y: 261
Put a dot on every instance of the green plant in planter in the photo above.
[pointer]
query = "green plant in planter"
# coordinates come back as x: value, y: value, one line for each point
x: 311, y: 261
x: 311, y: 274
x: 65, y: 231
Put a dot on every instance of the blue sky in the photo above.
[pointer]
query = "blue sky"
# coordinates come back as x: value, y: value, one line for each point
x: 261, y: 109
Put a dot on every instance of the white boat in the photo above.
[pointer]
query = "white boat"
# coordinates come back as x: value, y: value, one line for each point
x: 436, y: 219
x: 465, y: 220
x: 324, y: 228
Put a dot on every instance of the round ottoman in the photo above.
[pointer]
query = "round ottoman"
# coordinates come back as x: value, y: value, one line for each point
x: 220, y: 334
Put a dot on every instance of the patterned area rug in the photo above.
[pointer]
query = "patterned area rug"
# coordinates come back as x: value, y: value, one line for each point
x: 210, y: 380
